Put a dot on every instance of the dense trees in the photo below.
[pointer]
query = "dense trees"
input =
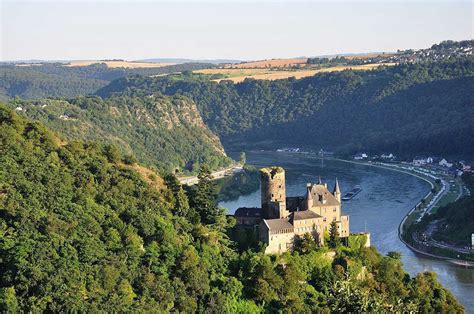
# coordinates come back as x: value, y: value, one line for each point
x: 410, y: 108
x: 164, y: 132
x: 457, y: 218
x: 58, y: 80
x: 81, y: 231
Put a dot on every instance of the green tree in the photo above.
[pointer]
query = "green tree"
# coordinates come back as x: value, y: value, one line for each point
x: 205, y: 200
x: 113, y: 153
x: 334, y: 240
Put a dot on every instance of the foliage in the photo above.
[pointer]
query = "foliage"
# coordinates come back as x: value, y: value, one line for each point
x: 457, y: 217
x: 334, y: 239
x: 405, y: 109
x: 241, y: 183
x: 81, y: 232
x: 357, y: 241
x: 58, y: 80
x: 163, y: 132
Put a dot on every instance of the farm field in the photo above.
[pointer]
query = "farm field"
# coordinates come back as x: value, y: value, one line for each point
x: 238, y: 75
x: 269, y: 63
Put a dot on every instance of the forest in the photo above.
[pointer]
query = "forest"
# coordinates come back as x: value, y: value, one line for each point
x: 58, y: 80
x: 165, y: 133
x: 457, y: 217
x: 405, y: 109
x: 81, y: 231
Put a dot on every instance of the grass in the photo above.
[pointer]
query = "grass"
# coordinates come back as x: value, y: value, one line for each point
x: 238, y: 75
x: 269, y: 63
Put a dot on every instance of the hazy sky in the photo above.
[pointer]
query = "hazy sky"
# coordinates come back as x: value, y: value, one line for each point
x: 242, y: 30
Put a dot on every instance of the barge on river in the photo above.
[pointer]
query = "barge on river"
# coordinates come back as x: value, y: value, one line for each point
x: 350, y: 195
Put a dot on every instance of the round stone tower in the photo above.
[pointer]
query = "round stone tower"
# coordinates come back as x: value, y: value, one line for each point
x: 273, y: 191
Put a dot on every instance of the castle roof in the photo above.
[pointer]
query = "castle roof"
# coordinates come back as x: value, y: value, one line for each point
x: 336, y: 187
x: 304, y: 214
x: 279, y: 225
x: 248, y: 212
x: 320, y: 196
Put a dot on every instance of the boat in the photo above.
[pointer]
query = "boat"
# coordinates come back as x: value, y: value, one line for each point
x: 350, y: 195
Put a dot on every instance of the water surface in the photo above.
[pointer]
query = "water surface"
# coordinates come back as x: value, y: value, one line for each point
x: 385, y: 198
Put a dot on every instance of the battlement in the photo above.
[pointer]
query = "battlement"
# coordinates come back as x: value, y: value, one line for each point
x: 272, y: 171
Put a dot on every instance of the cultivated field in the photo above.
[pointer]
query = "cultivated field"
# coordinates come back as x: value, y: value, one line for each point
x: 368, y: 56
x: 119, y: 64
x: 273, y: 63
x: 238, y: 75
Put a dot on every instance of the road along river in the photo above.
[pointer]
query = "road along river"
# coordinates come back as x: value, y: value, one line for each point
x: 385, y: 199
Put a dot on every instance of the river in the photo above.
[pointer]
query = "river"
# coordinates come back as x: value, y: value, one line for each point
x: 385, y: 199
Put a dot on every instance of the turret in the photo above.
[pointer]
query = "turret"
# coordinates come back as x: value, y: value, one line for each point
x: 273, y: 192
x: 337, y: 191
x: 309, y: 197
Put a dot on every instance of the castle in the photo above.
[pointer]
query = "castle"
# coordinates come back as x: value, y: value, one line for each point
x: 281, y: 219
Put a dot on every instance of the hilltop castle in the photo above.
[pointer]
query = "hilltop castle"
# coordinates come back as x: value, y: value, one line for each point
x: 282, y: 218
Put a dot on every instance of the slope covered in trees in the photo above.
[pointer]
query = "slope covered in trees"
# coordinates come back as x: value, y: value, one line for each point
x: 410, y: 108
x: 164, y: 132
x: 81, y: 231
x: 457, y: 218
x: 58, y: 80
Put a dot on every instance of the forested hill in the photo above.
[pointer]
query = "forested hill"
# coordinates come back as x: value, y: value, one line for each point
x: 164, y: 132
x: 58, y: 80
x: 80, y: 231
x: 410, y: 108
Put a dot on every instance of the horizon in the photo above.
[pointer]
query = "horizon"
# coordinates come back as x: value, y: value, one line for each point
x: 243, y: 31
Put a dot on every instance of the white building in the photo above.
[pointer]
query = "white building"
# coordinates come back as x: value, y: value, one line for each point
x: 445, y: 163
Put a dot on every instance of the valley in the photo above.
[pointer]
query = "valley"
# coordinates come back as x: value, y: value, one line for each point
x: 119, y: 182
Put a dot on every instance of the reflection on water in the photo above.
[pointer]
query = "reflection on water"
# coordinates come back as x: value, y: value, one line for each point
x: 385, y: 198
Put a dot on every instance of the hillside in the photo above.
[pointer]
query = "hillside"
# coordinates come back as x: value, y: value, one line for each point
x: 409, y: 108
x: 457, y: 218
x: 164, y: 132
x: 81, y: 232
x: 238, y: 75
x: 59, y: 80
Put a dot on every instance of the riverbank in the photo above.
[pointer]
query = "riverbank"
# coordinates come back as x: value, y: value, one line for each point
x: 218, y: 174
x: 432, y: 199
x: 384, y: 201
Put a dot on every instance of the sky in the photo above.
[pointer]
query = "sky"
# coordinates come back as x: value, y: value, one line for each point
x: 241, y: 30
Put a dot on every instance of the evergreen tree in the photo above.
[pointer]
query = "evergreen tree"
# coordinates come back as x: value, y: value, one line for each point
x: 334, y: 240
x: 205, y: 200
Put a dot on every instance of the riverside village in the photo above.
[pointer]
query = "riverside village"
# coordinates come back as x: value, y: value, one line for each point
x: 282, y: 220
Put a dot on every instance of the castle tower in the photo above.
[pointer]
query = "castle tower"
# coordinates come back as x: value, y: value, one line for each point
x: 309, y: 196
x: 337, y: 191
x: 273, y: 192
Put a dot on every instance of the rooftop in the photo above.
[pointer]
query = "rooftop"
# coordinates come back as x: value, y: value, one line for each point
x: 248, y: 212
x: 304, y: 214
x: 320, y: 195
x: 279, y: 224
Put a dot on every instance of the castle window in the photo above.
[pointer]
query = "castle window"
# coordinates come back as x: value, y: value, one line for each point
x: 324, y: 219
x: 334, y: 210
x: 272, y: 194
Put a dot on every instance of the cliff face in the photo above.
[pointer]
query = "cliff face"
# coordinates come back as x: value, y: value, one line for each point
x: 164, y: 132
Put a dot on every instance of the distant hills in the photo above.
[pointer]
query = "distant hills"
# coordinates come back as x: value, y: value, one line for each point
x: 59, y: 80
x: 407, y: 109
x: 184, y: 60
x: 422, y: 103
